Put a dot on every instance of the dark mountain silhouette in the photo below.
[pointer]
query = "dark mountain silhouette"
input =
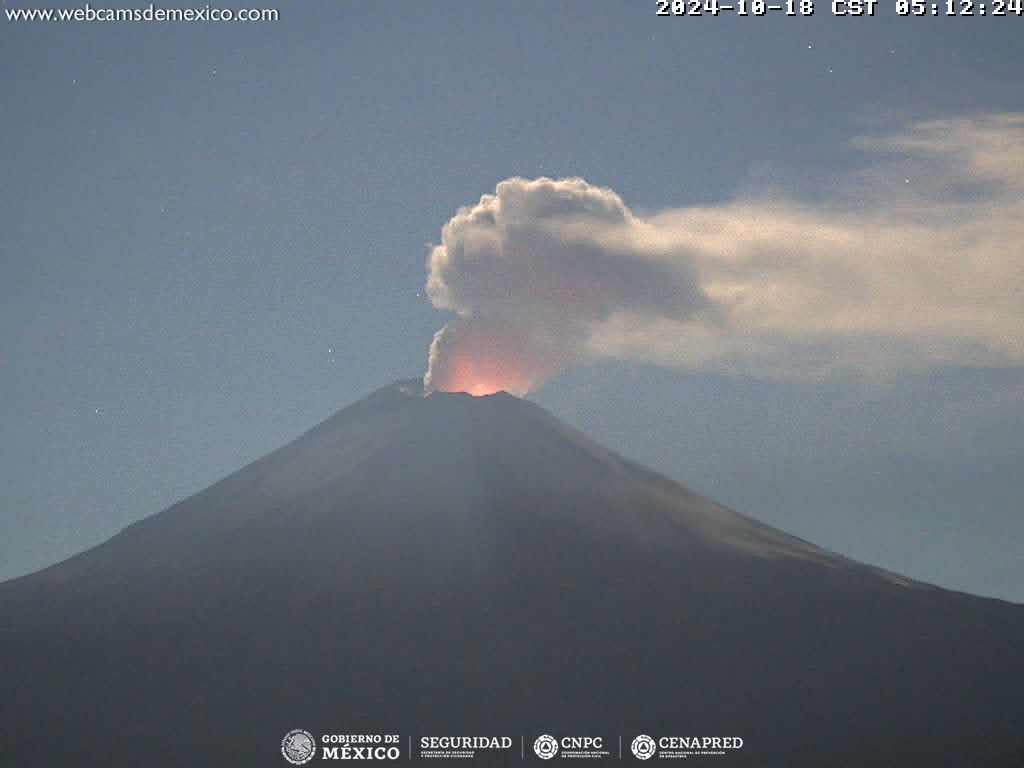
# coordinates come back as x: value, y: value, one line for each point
x: 449, y: 565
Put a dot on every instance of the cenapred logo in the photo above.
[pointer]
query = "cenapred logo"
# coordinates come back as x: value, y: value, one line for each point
x: 546, y: 747
x: 298, y: 746
x: 644, y: 747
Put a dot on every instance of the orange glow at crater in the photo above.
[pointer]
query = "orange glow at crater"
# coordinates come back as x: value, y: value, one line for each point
x: 482, y: 376
x: 481, y: 356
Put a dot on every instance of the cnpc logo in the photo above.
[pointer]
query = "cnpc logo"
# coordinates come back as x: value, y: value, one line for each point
x: 546, y: 746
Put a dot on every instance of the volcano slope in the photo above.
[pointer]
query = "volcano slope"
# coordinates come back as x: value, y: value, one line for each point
x: 455, y: 565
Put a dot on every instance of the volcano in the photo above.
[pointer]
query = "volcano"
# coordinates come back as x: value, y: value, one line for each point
x: 470, y: 565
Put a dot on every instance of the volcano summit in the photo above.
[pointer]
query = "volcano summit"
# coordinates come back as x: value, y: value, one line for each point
x: 460, y: 565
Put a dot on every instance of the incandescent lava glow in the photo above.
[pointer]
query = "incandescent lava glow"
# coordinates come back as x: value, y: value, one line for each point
x: 470, y: 379
x: 480, y: 389
x: 475, y: 386
x: 478, y: 358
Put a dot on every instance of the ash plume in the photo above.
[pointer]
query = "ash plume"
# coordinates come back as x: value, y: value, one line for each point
x: 532, y: 271
x: 870, y: 276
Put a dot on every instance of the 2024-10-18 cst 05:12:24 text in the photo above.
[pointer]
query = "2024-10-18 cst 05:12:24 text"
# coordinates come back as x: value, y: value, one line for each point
x: 840, y: 7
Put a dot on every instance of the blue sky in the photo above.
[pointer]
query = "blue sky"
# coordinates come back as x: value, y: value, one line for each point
x: 213, y: 236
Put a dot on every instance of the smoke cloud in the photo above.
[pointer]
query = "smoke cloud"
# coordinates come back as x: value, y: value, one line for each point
x: 915, y: 262
x: 532, y: 271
